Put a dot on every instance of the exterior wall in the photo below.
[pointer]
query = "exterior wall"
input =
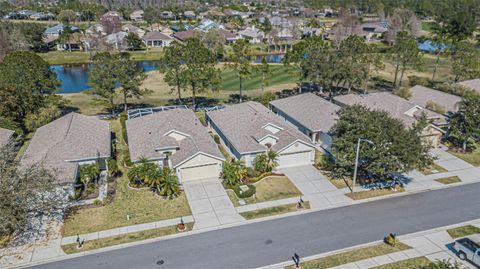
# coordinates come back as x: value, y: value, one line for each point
x: 325, y: 140
x: 248, y: 159
x: 199, y: 161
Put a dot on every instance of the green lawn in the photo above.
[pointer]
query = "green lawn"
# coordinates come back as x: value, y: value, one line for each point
x: 433, y: 169
x: 405, y: 264
x: 427, y: 26
x: 472, y: 157
x: 463, y: 231
x: 448, y: 180
x: 78, y: 57
x: 280, y: 75
x: 373, y: 193
x: 141, y: 205
x: 124, y: 238
x: 271, y: 211
x: 352, y: 256
x: 269, y: 189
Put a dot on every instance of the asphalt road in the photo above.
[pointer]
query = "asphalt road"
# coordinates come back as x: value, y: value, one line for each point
x: 270, y: 242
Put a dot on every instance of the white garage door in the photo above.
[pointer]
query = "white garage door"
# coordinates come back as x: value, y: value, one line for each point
x: 295, y: 159
x: 200, y: 172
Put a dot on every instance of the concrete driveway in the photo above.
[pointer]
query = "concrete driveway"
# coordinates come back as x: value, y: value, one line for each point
x: 210, y: 204
x: 315, y: 187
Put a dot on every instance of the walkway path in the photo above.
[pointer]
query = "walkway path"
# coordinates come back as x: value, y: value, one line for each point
x: 210, y: 204
x: 316, y: 188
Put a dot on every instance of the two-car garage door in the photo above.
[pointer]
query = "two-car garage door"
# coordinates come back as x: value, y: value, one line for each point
x: 200, y: 172
x: 295, y: 159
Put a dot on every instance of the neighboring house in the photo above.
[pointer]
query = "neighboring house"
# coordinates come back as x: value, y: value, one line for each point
x: 400, y: 109
x: 62, y: 145
x: 117, y: 40
x: 252, y: 34
x: 373, y: 30
x: 229, y: 36
x: 249, y: 128
x: 311, y: 114
x: 473, y: 84
x: 166, y: 15
x: 206, y: 25
x: 56, y: 31
x: 184, y: 35
x: 156, y: 39
x: 136, y: 15
x: 6, y: 136
x: 175, y: 138
x: 189, y: 15
x: 130, y: 28
x: 427, y: 97
x: 96, y: 29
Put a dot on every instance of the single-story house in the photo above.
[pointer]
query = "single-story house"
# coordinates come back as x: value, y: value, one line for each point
x: 96, y: 29
x: 6, y: 136
x: 472, y: 84
x: 166, y: 15
x: 184, y: 35
x: 189, y: 15
x: 136, y: 15
x: 252, y: 34
x: 117, y: 40
x: 56, y: 30
x: 64, y: 144
x: 130, y: 28
x: 427, y: 97
x: 175, y: 138
x: 249, y: 128
x: 207, y: 24
x: 311, y: 114
x: 400, y: 109
x: 156, y: 39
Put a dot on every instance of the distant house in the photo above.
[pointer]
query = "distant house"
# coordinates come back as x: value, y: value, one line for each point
x: 136, y: 15
x: 184, y: 35
x: 252, y: 34
x: 56, y: 31
x: 401, y: 109
x: 472, y: 84
x: 64, y: 144
x: 206, y: 25
x: 156, y: 39
x: 112, y: 15
x: 249, y: 129
x: 431, y: 47
x: 130, y: 28
x: 189, y: 15
x: 167, y: 15
x: 117, y: 40
x: 311, y: 114
x: 51, y: 36
x: 6, y: 136
x: 177, y: 139
x: 96, y: 29
x: 427, y: 98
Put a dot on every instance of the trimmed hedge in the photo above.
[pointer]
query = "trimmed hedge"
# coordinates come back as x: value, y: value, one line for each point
x: 123, y: 119
x: 257, y: 178
x: 216, y: 138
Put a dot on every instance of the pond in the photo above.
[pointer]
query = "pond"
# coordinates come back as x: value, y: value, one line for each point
x: 271, y: 58
x: 74, y: 77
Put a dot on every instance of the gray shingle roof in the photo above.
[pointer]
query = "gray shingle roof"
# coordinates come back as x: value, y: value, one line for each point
x: 473, y: 84
x: 70, y: 138
x: 310, y: 110
x: 155, y: 35
x: 5, y: 136
x: 243, y: 123
x: 396, y: 106
x: 147, y: 134
x: 422, y: 95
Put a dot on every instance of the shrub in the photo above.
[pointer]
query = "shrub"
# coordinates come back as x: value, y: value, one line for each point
x: 435, y: 107
x: 251, y: 173
x: 249, y: 193
x: 126, y: 158
x: 324, y: 162
x: 257, y: 178
x: 97, y: 202
x: 123, y: 119
x: 216, y: 138
x: 404, y: 93
x: 416, y: 80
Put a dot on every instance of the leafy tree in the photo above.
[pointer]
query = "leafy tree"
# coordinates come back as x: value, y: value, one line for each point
x: 26, y: 84
x: 67, y: 16
x: 233, y: 172
x: 26, y: 192
x: 265, y: 26
x: 103, y: 77
x: 266, y: 162
x: 113, y: 169
x: 458, y: 17
x: 264, y: 69
x: 42, y: 117
x: 88, y: 173
x: 130, y: 78
x: 66, y: 35
x: 199, y: 73
x: 266, y: 98
x: 214, y: 40
x: 272, y: 160
x: 465, y: 124
x: 171, y: 66
x: 142, y: 171
x: 169, y: 183
x: 402, y: 20
x: 134, y: 42
x: 405, y: 54
x: 465, y: 61
x: 241, y: 62
x: 396, y: 148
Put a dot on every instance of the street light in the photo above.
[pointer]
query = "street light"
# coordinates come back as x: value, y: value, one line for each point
x: 356, y: 160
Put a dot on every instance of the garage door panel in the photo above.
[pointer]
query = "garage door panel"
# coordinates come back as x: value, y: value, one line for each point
x: 200, y: 172
x: 295, y: 159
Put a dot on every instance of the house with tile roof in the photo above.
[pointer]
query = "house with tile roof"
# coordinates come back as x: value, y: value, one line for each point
x: 177, y: 139
x: 64, y: 144
x: 249, y: 128
x: 310, y: 114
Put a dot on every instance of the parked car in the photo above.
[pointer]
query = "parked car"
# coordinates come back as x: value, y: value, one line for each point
x: 468, y: 248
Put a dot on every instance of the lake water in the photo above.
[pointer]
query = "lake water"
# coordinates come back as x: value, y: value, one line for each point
x: 74, y: 77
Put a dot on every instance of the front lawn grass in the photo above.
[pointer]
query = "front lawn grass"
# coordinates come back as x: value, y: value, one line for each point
x: 410, y: 263
x: 433, y: 169
x: 448, y: 180
x: 141, y: 205
x: 463, y: 231
x: 269, y: 189
x: 472, y: 158
x: 271, y: 211
x: 352, y: 256
x: 373, y: 193
x: 124, y: 238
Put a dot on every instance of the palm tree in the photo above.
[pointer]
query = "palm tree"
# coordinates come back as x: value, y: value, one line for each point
x: 142, y: 171
x: 169, y: 185
x: 272, y: 160
x: 88, y: 173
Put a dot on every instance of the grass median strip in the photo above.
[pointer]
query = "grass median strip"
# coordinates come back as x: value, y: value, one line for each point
x: 410, y: 263
x: 352, y: 256
x: 448, y: 180
x: 124, y: 238
x: 463, y: 231
x: 271, y: 211
x: 433, y: 169
x: 373, y: 193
